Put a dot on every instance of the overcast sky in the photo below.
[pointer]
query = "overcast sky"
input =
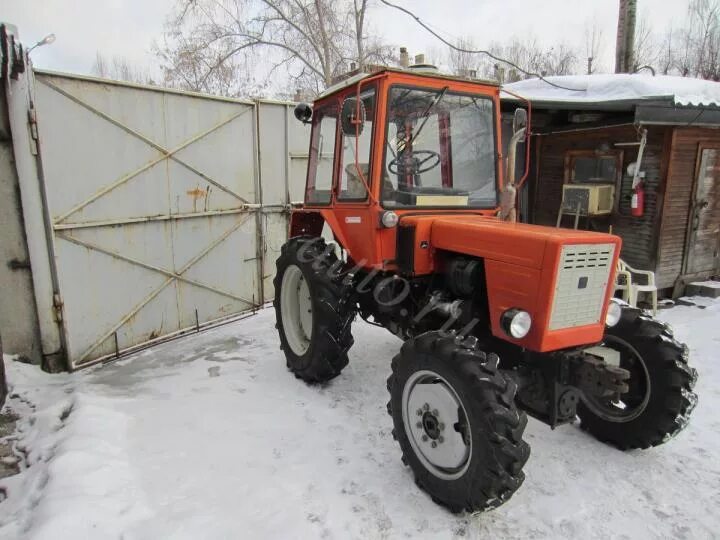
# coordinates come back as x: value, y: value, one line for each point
x: 128, y: 27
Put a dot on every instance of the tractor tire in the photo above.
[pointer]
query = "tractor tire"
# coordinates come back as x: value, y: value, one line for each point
x: 660, y: 399
x: 313, y: 309
x: 455, y: 419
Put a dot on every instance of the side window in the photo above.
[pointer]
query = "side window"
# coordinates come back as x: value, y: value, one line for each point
x: 322, y: 157
x: 356, y: 155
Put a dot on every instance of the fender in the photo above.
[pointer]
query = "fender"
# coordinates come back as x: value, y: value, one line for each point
x: 310, y: 222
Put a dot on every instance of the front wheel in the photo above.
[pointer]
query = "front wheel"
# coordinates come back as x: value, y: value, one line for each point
x: 659, y: 400
x: 455, y: 418
x: 314, y: 310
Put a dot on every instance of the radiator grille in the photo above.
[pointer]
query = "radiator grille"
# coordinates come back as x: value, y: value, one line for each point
x: 582, y: 282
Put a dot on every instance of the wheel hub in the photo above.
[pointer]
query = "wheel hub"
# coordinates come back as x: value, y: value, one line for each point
x: 436, y: 424
x: 631, y: 403
x: 296, y: 310
x: 431, y: 425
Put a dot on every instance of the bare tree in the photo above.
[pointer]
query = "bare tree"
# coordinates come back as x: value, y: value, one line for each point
x: 645, y: 48
x: 532, y: 57
x: 119, y: 68
x: 593, y: 45
x: 560, y: 60
x: 461, y: 62
x: 209, y: 43
x: 666, y: 52
x: 697, y: 49
x: 705, y: 38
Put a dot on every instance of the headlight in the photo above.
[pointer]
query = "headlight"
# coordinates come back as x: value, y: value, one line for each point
x: 614, y: 312
x: 389, y: 219
x: 516, y: 323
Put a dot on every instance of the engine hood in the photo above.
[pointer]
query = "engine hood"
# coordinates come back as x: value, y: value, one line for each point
x: 515, y: 243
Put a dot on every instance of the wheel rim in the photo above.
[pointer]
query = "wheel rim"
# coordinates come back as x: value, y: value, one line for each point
x: 632, y: 403
x: 296, y: 310
x: 436, y: 425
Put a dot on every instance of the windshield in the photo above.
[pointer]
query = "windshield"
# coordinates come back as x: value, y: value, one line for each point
x: 440, y: 150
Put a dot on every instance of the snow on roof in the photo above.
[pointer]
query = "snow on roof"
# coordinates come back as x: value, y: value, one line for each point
x: 682, y: 91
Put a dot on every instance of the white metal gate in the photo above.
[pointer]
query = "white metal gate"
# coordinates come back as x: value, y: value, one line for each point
x: 164, y: 218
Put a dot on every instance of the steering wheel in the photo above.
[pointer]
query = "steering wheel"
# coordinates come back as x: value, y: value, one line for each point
x: 414, y: 162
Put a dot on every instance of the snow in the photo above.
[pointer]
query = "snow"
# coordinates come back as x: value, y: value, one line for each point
x: 682, y: 91
x: 709, y: 283
x: 211, y: 437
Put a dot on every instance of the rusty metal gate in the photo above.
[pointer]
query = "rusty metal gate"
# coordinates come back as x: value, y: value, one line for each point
x: 164, y: 218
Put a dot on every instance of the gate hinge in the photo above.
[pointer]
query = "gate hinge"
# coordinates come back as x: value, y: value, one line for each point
x: 32, y: 124
x: 58, y: 307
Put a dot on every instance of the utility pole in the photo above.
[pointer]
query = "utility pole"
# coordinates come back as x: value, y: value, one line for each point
x: 624, y: 61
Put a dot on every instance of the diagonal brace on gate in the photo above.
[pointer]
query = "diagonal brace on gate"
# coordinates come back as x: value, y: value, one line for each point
x: 165, y: 153
x: 171, y: 277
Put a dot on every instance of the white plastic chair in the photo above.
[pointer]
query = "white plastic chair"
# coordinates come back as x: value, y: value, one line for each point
x: 631, y: 288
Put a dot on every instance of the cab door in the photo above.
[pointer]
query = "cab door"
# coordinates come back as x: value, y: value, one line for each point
x: 353, y: 208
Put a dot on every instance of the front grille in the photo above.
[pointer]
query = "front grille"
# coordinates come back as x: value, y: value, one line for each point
x: 582, y: 281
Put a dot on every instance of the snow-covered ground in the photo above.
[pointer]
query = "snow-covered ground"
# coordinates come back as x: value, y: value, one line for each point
x: 211, y: 437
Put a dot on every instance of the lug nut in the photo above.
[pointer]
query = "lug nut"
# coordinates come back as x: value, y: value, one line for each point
x: 435, y: 412
x: 419, y: 425
x: 441, y: 440
x: 426, y: 407
x: 441, y: 426
x: 419, y: 412
x: 424, y: 438
x: 434, y: 444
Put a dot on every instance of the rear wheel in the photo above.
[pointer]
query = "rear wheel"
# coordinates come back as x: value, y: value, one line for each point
x: 455, y: 418
x: 313, y: 309
x: 660, y: 397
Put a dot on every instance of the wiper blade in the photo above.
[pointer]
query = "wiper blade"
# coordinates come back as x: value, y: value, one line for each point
x: 426, y: 115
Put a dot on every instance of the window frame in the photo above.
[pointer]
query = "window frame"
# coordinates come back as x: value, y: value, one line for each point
x: 496, y: 156
x: 341, y: 166
x: 318, y: 114
x: 572, y: 155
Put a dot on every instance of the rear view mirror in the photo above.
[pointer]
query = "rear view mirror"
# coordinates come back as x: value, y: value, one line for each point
x: 353, y: 117
x: 303, y: 112
x: 519, y: 120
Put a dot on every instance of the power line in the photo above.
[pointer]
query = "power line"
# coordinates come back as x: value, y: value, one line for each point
x: 478, y: 51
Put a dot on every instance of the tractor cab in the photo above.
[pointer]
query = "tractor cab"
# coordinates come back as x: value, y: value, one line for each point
x: 395, y: 143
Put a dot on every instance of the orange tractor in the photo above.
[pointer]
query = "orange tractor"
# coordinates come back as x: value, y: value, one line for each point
x: 402, y: 225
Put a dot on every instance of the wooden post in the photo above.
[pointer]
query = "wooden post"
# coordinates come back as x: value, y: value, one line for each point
x: 625, y: 46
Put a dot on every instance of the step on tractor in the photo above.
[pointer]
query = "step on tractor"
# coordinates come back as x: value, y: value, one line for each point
x: 408, y: 222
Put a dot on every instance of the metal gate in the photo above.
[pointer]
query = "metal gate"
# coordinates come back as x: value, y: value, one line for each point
x: 163, y: 218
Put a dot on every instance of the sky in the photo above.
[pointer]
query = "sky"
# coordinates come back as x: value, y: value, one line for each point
x: 127, y: 28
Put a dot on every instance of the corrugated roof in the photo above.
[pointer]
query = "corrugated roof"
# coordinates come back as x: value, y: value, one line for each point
x: 615, y: 88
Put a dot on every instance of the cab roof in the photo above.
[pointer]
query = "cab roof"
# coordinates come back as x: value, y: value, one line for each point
x: 420, y: 71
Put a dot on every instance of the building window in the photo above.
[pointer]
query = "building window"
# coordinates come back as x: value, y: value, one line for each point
x: 590, y: 167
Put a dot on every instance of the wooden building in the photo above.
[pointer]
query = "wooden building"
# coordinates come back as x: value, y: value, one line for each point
x: 593, y: 137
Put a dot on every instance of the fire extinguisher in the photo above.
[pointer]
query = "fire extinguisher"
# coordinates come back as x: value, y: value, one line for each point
x: 637, y: 203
